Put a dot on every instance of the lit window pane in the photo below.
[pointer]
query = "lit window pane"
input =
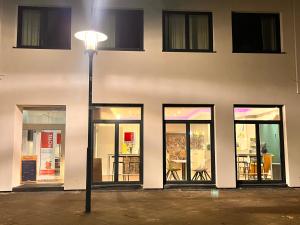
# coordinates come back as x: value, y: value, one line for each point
x: 118, y: 113
x: 44, y: 117
x: 187, y: 113
x: 241, y: 113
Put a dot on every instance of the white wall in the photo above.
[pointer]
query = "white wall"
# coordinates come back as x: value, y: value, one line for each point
x: 151, y: 77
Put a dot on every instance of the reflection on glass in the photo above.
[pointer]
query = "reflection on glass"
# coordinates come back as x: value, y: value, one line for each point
x: 246, y: 152
x: 200, y: 152
x: 117, y: 113
x: 270, y: 152
x: 176, y: 152
x: 187, y: 113
x: 104, y: 150
x: 241, y: 113
x: 129, y: 152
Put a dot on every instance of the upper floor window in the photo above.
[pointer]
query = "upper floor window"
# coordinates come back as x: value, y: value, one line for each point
x: 124, y: 28
x: 256, y: 32
x: 187, y: 31
x: 44, y: 27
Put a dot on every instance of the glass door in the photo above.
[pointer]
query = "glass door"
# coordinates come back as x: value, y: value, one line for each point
x: 176, y: 152
x: 117, y: 152
x: 129, y: 152
x: 200, y: 152
x: 246, y: 152
x: 259, y: 156
x: 270, y: 152
x: 104, y: 152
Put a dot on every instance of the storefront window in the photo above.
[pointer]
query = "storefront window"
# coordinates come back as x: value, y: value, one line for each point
x: 259, y: 151
x: 189, y: 151
x: 43, y: 146
x: 117, y: 144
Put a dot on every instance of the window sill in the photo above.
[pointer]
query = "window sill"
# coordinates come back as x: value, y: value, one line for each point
x: 31, y: 47
x: 278, y: 53
x: 189, y: 51
x: 122, y: 49
x: 190, y: 186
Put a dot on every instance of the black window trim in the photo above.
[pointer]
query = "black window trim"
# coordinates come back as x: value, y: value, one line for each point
x: 187, y: 49
x: 141, y: 40
x: 260, y: 182
x: 21, y: 8
x: 116, y: 182
x: 211, y: 122
x: 278, y: 27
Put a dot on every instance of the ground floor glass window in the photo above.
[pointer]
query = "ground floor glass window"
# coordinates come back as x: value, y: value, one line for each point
x: 259, y: 145
x: 117, y: 144
x: 188, y: 144
x: 42, y: 159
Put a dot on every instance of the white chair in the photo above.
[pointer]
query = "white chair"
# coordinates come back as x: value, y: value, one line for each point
x: 202, y: 159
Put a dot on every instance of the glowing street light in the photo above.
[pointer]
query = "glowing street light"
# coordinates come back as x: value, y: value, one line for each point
x: 91, y: 39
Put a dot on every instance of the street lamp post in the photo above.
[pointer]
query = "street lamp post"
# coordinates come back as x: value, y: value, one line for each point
x: 91, y: 39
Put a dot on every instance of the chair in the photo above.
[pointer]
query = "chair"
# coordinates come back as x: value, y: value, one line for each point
x: 172, y: 169
x: 266, y: 167
x: 200, y: 158
x: 252, y: 170
x: 97, y: 170
x: 131, y: 167
x: 242, y: 165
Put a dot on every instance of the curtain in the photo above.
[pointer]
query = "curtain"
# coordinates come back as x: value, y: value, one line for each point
x: 108, y: 27
x: 199, y: 31
x: 268, y: 30
x: 31, y: 27
x: 176, y: 31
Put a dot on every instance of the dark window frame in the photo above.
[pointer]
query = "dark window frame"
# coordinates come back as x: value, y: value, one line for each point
x: 259, y: 181
x: 278, y: 35
x: 43, y: 23
x: 211, y: 122
x: 116, y: 182
x: 141, y: 27
x: 187, y: 14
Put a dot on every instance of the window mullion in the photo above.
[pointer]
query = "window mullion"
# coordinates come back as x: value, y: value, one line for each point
x: 43, y: 28
x: 187, y: 32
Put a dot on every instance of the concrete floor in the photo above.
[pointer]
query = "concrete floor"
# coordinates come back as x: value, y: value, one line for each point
x: 168, y: 207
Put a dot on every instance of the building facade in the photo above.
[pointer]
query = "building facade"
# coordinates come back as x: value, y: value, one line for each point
x: 201, y: 93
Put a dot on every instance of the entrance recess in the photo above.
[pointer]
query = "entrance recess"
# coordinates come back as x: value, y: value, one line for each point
x: 117, y: 144
x: 259, y: 145
x: 188, y: 144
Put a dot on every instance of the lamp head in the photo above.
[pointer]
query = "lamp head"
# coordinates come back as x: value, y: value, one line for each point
x: 91, y: 39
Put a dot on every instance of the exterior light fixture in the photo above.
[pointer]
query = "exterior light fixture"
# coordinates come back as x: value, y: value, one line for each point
x: 91, y: 39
